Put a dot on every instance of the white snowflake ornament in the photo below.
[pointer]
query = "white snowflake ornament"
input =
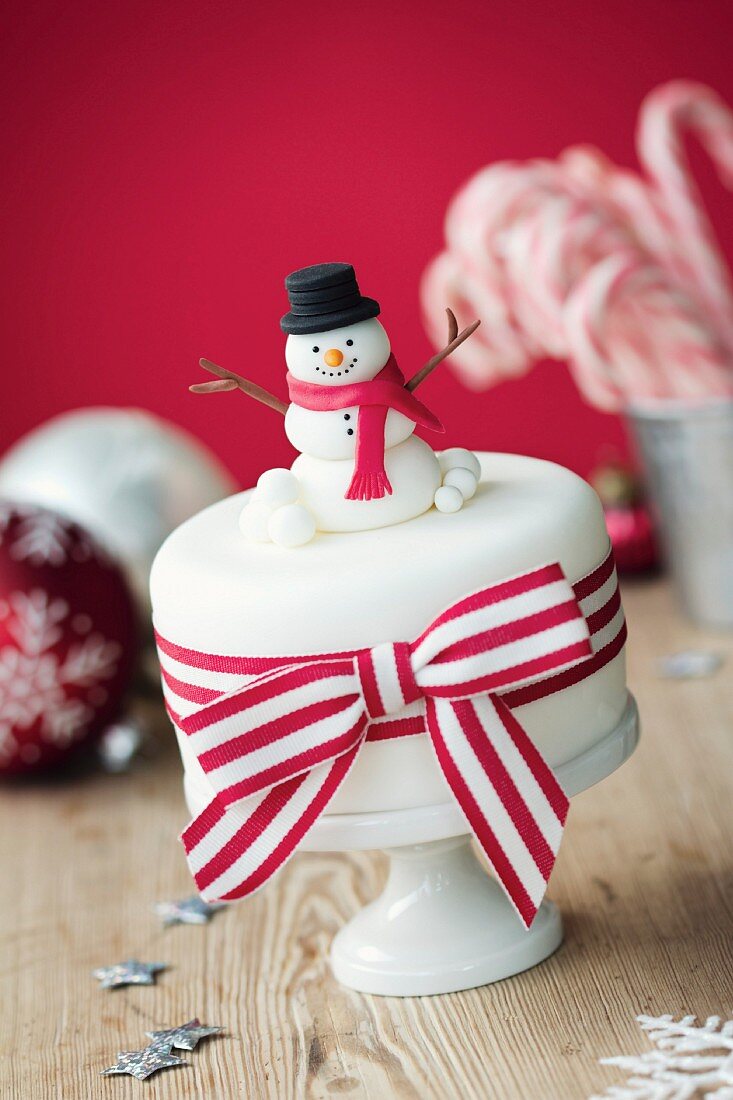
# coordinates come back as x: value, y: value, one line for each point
x: 691, y: 1062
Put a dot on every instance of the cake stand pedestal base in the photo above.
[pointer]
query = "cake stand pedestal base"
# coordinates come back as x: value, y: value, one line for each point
x: 440, y: 925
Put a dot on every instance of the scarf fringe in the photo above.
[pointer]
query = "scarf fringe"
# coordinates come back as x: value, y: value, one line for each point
x: 369, y: 486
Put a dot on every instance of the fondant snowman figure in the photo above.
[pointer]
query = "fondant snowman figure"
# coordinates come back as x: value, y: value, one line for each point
x: 352, y: 417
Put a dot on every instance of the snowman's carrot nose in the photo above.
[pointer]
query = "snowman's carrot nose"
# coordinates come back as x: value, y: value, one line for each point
x: 333, y: 357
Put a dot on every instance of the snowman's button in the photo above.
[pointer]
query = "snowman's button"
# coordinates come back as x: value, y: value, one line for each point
x: 347, y: 416
x: 349, y: 431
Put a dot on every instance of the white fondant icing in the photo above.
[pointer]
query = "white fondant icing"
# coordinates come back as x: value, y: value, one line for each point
x: 277, y: 486
x: 460, y: 458
x: 414, y: 473
x: 327, y: 440
x: 253, y: 520
x: 448, y: 499
x: 292, y: 525
x: 216, y: 592
x: 326, y: 434
x: 462, y: 480
x: 307, y: 356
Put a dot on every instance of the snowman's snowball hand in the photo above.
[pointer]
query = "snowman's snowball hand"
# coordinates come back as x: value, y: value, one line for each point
x: 253, y: 520
x: 448, y: 499
x: 463, y: 480
x: 292, y: 525
x: 459, y: 458
x: 461, y: 471
x: 277, y: 487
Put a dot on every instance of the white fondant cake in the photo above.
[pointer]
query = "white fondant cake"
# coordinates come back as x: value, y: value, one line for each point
x: 217, y: 592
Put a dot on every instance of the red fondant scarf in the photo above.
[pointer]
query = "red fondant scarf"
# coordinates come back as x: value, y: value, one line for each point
x: 374, y: 398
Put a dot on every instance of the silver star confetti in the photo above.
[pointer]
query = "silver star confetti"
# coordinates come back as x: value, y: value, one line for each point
x: 130, y: 972
x: 689, y: 664
x: 184, y: 1037
x: 141, y: 1063
x: 192, y: 910
x: 119, y: 745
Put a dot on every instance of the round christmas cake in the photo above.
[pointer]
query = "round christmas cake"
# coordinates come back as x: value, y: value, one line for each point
x: 217, y: 593
x: 383, y: 627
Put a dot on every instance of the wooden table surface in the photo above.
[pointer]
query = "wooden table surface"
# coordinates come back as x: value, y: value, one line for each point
x: 644, y: 880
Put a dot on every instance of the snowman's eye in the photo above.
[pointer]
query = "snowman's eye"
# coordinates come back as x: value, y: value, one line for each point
x: 349, y: 343
x: 316, y: 349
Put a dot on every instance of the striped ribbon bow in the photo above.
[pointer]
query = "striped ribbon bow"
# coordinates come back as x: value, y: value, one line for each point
x: 276, y: 748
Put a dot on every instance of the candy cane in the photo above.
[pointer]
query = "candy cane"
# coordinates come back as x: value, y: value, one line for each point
x: 582, y: 260
x: 629, y: 197
x: 498, y: 351
x: 666, y: 114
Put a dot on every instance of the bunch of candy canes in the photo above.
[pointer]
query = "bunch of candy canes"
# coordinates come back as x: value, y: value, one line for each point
x: 577, y: 259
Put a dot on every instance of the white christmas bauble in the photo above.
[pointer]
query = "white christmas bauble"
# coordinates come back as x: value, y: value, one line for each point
x: 277, y: 487
x: 253, y: 521
x: 459, y: 457
x: 462, y: 480
x: 291, y: 526
x: 125, y: 475
x: 448, y: 499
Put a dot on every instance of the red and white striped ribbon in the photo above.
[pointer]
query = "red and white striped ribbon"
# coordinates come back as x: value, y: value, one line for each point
x: 277, y: 735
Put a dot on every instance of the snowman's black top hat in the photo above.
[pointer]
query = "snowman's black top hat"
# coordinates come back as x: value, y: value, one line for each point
x: 325, y: 296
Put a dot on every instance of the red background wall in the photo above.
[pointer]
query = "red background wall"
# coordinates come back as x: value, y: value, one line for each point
x: 167, y: 163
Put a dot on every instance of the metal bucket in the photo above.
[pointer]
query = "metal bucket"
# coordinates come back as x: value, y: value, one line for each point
x: 687, y: 453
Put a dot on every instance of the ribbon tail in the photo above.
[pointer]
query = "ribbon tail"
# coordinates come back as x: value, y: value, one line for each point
x: 232, y: 851
x: 507, y: 792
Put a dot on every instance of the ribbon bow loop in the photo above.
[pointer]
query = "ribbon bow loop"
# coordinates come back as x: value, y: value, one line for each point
x: 276, y: 748
x: 506, y: 635
x: 278, y: 726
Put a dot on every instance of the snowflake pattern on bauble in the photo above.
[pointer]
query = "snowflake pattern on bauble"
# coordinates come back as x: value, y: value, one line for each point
x: 691, y: 1062
x: 42, y: 537
x: 35, y: 680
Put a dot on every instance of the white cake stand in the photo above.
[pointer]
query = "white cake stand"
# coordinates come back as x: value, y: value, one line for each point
x: 442, y: 924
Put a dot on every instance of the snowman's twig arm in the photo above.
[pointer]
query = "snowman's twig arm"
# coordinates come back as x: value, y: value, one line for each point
x: 220, y: 386
x: 228, y: 380
x: 455, y: 339
x: 452, y: 325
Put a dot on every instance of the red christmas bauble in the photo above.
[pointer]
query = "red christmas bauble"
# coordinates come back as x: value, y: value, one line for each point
x: 67, y: 637
x: 633, y: 539
x: 629, y: 522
